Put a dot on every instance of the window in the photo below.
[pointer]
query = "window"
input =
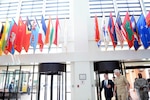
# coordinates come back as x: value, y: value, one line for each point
x: 8, y: 9
x: 34, y: 8
x: 97, y: 7
x: 147, y: 5
x: 133, y: 6
x: 54, y: 8
x: 31, y: 8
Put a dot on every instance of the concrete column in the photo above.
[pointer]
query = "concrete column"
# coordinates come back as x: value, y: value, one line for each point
x: 82, y: 76
x: 79, y: 17
x: 82, y: 73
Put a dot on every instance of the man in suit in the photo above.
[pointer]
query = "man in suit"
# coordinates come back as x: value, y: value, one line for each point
x: 108, y: 85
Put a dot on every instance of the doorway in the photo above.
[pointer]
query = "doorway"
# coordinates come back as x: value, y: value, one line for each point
x: 52, y: 81
x: 100, y: 68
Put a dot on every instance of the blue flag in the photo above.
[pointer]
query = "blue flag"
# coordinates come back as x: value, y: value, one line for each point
x: 143, y: 31
x: 118, y: 21
x: 34, y: 35
x: 112, y: 32
x: 43, y: 25
x: 137, y: 42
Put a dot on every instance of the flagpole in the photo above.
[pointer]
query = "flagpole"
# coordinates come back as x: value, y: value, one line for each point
x: 65, y: 35
x: 57, y: 46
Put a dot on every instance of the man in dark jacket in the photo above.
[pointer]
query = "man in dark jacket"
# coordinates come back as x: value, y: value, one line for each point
x: 108, y: 85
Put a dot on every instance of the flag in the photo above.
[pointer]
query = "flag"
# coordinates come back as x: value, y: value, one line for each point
x: 105, y: 32
x: 42, y: 33
x: 34, y: 35
x: 13, y: 30
x: 111, y: 30
x: 51, y: 37
x: 1, y: 52
x: 119, y: 30
x: 56, y: 32
x: 1, y: 29
x: 4, y: 35
x: 143, y: 31
x: 27, y: 35
x: 129, y: 32
x: 97, y: 33
x: 148, y: 19
x: 137, y: 42
x: 43, y: 25
x: 20, y: 36
x: 48, y: 31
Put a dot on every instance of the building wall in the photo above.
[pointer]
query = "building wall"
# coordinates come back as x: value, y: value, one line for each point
x: 82, y: 51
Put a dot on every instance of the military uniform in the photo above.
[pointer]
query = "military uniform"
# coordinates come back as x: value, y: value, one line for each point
x: 141, y: 85
x: 121, y: 83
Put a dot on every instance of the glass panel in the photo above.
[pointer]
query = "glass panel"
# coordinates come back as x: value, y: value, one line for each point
x: 68, y: 96
x: 26, y: 82
x: 42, y: 87
x: 36, y: 70
x: 35, y: 86
x: 3, y: 70
x: 48, y: 87
x: 129, y: 5
x: 68, y: 82
x: 97, y: 7
x: 55, y: 91
x: 13, y: 76
x: 52, y: 6
x: 35, y: 83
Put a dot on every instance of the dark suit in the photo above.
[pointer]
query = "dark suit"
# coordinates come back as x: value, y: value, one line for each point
x: 108, y: 91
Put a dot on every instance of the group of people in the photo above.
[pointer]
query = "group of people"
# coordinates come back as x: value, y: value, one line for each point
x: 119, y: 87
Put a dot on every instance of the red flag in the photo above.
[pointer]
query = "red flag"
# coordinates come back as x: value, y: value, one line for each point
x: 42, y: 33
x: 20, y: 35
x: 129, y: 31
x: 41, y: 38
x: 148, y: 19
x: 97, y: 33
x: 27, y: 35
x: 12, y: 37
x: 56, y: 32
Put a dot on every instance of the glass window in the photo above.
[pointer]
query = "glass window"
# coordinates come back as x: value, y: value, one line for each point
x: 147, y: 5
x: 133, y: 6
x: 3, y: 70
x: 54, y: 7
x: 97, y: 7
x: 9, y: 9
x: 31, y: 8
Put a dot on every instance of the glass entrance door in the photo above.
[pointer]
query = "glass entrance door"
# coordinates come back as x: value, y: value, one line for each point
x: 52, y: 86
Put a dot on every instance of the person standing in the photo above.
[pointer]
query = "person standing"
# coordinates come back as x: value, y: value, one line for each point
x: 11, y: 87
x: 141, y: 85
x: 108, y: 86
x: 121, y: 85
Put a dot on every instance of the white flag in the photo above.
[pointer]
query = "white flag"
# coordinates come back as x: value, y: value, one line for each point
x: 105, y: 32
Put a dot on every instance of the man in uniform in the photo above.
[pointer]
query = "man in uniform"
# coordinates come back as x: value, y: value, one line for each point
x: 141, y: 85
x: 121, y: 85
